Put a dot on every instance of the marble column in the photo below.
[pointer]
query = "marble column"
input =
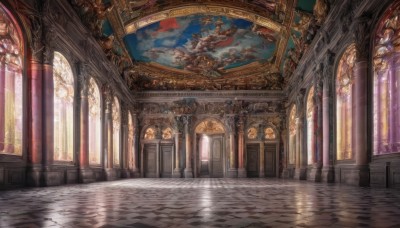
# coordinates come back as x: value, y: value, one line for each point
x: 241, y: 170
x: 124, y: 163
x: 48, y: 116
x: 177, y: 171
x: 327, y: 170
x: 35, y: 115
x: 2, y: 104
x: 361, y: 35
x: 188, y: 144
x: 86, y: 174
x: 317, y: 168
x: 135, y: 150
x: 108, y: 134
x: 232, y: 172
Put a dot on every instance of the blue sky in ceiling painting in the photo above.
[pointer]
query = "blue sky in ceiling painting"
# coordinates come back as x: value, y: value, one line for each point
x: 180, y: 42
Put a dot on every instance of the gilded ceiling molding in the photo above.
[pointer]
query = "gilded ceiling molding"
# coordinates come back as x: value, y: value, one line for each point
x: 133, y: 26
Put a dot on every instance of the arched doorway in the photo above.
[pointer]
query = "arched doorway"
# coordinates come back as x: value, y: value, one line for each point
x: 210, y: 135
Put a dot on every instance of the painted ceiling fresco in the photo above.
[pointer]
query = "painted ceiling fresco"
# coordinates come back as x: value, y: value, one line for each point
x: 204, y: 44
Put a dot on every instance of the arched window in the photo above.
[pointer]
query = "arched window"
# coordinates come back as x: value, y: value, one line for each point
x: 344, y: 96
x: 63, y: 108
x: 310, y: 127
x: 116, y: 116
x: 11, y: 66
x: 386, y: 82
x: 269, y: 133
x: 292, y: 135
x: 94, y: 123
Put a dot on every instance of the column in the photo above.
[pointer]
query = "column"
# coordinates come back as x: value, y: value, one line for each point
x: 124, y: 163
x: 35, y: 115
x: 2, y: 104
x: 232, y: 172
x: 84, y: 124
x: 135, y: 149
x: 108, y: 155
x: 361, y: 30
x: 241, y: 170
x: 177, y: 170
x: 48, y: 104
x: 188, y: 169
x: 325, y: 125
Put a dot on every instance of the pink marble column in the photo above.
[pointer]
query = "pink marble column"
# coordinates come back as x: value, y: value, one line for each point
x: 241, y: 170
x: 135, y: 148
x: 84, y: 126
x: 109, y: 135
x: 188, y: 169
x: 2, y: 105
x: 35, y: 72
x: 299, y: 143
x: 325, y: 126
x: 360, y: 112
x: 177, y: 170
x: 48, y: 115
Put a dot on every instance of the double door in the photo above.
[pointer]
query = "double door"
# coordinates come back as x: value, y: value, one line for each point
x: 211, y: 165
x: 157, y: 160
x: 254, y: 163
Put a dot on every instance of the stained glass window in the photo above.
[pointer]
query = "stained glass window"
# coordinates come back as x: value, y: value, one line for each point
x: 310, y: 127
x: 63, y: 108
x: 386, y: 82
x: 94, y: 123
x: 11, y: 66
x: 116, y: 116
x: 269, y: 133
x: 344, y: 96
x: 292, y: 135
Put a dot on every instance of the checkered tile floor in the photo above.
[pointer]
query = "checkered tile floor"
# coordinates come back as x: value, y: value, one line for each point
x: 200, y: 203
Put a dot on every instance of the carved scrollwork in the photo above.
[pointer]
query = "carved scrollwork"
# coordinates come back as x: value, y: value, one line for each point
x: 361, y: 35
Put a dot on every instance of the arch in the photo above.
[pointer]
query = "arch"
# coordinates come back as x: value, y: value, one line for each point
x: 311, y: 159
x: 386, y: 79
x: 150, y: 133
x: 94, y: 100
x: 292, y: 134
x: 63, y: 79
x: 11, y: 84
x: 210, y: 126
x: 344, y: 97
x: 269, y: 133
x: 116, y: 117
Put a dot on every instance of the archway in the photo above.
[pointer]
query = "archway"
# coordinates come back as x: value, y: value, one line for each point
x: 210, y: 135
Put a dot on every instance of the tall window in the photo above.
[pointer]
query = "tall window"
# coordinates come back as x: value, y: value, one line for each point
x: 63, y: 108
x: 310, y: 127
x: 386, y: 81
x: 344, y: 95
x: 11, y: 66
x: 94, y: 123
x: 116, y: 116
x: 292, y: 135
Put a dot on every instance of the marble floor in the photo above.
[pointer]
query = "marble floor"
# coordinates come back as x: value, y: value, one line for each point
x: 200, y: 203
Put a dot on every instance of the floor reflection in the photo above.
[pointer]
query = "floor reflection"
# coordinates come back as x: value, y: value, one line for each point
x: 200, y: 202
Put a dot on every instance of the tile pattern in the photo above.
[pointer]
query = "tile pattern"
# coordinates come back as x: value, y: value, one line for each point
x: 200, y: 203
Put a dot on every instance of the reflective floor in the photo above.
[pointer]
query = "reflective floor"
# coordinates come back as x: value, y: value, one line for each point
x: 200, y: 203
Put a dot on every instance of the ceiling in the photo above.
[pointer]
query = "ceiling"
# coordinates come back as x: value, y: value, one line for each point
x: 204, y: 45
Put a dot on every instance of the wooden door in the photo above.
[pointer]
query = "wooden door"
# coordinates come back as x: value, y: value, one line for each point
x: 150, y: 160
x: 270, y: 160
x: 166, y: 160
x: 216, y: 157
x: 253, y: 151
